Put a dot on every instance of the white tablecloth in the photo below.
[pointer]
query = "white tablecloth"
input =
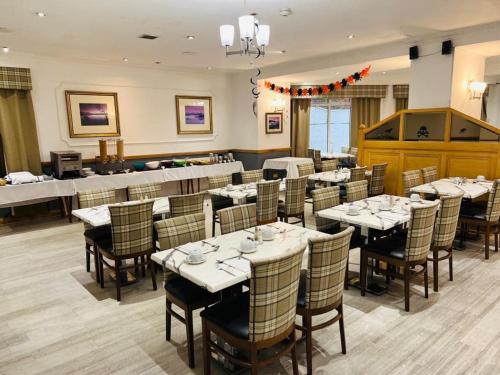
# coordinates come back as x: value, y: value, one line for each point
x: 118, y: 181
x: 287, y: 163
x: 471, y: 189
x: 13, y: 195
x: 215, y: 277
x: 336, y: 155
x: 335, y: 177
x: 240, y: 193
x: 201, y: 171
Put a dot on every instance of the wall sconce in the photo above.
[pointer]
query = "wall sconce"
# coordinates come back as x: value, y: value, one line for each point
x: 278, y: 104
x: 476, y: 89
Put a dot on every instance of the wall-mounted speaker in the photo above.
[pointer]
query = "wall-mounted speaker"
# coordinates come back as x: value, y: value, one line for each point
x: 447, y: 47
x: 414, y: 53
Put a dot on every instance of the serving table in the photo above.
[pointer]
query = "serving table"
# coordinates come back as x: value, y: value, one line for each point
x: 240, y: 193
x: 447, y: 186
x: 225, y: 266
x: 287, y: 163
x: 19, y: 195
x: 336, y: 155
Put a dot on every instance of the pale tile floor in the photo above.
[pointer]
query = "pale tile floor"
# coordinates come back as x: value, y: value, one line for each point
x: 56, y: 320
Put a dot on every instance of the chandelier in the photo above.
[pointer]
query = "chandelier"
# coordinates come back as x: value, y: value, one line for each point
x: 253, y: 37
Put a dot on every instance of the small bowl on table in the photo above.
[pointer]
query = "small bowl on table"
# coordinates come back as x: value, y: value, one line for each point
x: 139, y: 165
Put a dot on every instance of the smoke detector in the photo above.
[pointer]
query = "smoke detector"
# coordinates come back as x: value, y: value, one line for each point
x: 285, y: 12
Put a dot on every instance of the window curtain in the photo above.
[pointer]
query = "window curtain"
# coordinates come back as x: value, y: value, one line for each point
x: 401, y: 103
x: 300, y: 127
x: 363, y: 111
x: 400, y: 94
x: 18, y: 131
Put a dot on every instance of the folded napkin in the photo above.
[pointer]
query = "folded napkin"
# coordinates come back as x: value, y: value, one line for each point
x: 17, y: 178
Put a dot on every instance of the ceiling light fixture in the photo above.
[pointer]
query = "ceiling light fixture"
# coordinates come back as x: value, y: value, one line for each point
x: 209, y: 67
x: 285, y: 12
x: 157, y: 62
x: 476, y: 89
x: 253, y: 36
x: 190, y: 37
x: 350, y: 36
x: 337, y: 73
x: 5, y: 49
x: 40, y: 14
x: 125, y: 59
x: 384, y: 72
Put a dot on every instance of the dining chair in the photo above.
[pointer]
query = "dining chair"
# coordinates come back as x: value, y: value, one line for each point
x: 255, y: 175
x: 237, y: 218
x: 358, y: 174
x: 187, y: 204
x: 219, y: 202
x: 444, y: 234
x: 321, y: 286
x: 179, y: 291
x: 295, y: 196
x: 132, y: 238
x: 89, y: 199
x: 143, y: 191
x: 310, y: 153
x: 377, y: 179
x: 322, y: 199
x: 356, y: 191
x: 329, y: 165
x: 484, y: 218
x: 404, y: 252
x: 344, y: 149
x: 317, y: 160
x: 429, y: 174
x: 410, y: 180
x: 267, y: 201
x: 307, y: 169
x: 259, y: 319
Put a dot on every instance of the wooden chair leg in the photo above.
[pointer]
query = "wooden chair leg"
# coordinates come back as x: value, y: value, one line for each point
x: 346, y: 276
x: 435, y: 269
x: 340, y: 310
x: 152, y: 270
x: 487, y: 242
x: 426, y: 280
x: 143, y: 268
x: 496, y: 240
x: 87, y: 256
x: 304, y: 220
x: 253, y: 360
x: 168, y: 319
x: 308, y: 322
x: 363, y: 269
x: 450, y: 261
x: 295, y: 364
x: 206, y: 348
x: 136, y: 267
x: 213, y: 224
x: 407, y: 287
x: 101, y: 270
x: 118, y: 280
x: 190, y: 337
x: 96, y: 264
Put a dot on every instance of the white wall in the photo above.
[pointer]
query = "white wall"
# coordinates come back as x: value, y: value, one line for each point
x: 146, y: 101
x: 493, y: 106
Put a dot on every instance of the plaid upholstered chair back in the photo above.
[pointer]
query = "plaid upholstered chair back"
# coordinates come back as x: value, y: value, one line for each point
x: 322, y: 199
x: 358, y: 174
x: 306, y: 169
x: 317, y: 158
x: 411, y: 179
x: 429, y: 174
x: 326, y: 266
x: 178, y: 231
x: 356, y: 191
x: 216, y: 182
x: 378, y: 179
x: 267, y: 201
x: 310, y: 153
x: 295, y: 195
x: 493, y: 208
x: 188, y: 204
x: 273, y: 294
x: 252, y: 176
x: 446, y: 220
x: 132, y: 228
x: 237, y: 218
x: 93, y: 198
x: 420, y: 230
x: 329, y: 165
x: 138, y: 192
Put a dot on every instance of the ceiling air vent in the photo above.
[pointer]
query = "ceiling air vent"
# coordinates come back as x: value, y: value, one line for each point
x: 148, y: 36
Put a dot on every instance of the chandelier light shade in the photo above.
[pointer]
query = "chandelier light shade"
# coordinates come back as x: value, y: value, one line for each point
x: 247, y: 26
x: 262, y: 36
x: 227, y: 35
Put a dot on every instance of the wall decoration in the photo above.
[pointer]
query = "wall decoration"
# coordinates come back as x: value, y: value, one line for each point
x: 322, y: 89
x: 274, y: 123
x: 194, y: 114
x: 92, y: 114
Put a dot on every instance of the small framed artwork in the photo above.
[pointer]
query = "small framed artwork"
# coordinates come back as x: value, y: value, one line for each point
x: 92, y: 114
x: 194, y: 114
x: 274, y: 123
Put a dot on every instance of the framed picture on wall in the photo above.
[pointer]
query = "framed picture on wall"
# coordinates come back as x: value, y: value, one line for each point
x: 92, y: 114
x: 194, y: 114
x: 274, y: 123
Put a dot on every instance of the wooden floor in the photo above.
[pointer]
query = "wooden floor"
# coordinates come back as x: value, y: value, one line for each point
x: 54, y: 319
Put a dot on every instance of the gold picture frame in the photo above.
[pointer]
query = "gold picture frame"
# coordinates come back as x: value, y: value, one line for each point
x: 92, y: 114
x: 274, y: 123
x: 194, y: 114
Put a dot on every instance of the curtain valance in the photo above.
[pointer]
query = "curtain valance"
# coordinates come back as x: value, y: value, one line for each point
x: 400, y: 91
x: 15, y: 78
x: 354, y: 91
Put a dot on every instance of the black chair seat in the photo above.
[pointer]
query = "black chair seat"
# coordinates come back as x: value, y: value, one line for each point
x: 190, y: 293
x: 393, y: 246
x: 218, y: 203
x: 473, y: 212
x: 105, y: 244
x: 231, y: 315
x: 301, y: 297
x: 98, y: 233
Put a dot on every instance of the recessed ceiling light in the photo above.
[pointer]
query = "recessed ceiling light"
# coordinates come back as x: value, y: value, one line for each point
x: 188, y: 53
x: 190, y: 37
x: 350, y: 36
x: 337, y: 73
x: 148, y: 36
x: 384, y: 72
x: 285, y: 12
x: 5, y: 49
x: 40, y: 14
x: 209, y: 67
x: 125, y: 59
x: 157, y: 62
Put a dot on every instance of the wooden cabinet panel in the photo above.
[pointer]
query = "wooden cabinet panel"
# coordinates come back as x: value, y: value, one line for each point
x: 393, y: 166
x: 421, y: 160
x: 470, y: 165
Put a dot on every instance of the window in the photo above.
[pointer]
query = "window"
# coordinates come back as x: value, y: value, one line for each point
x: 330, y: 124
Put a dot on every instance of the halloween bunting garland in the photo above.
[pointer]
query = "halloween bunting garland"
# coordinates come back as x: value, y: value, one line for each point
x: 322, y: 89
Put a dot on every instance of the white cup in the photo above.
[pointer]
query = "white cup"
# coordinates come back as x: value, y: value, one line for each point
x: 385, y: 206
x: 195, y: 254
x: 480, y: 178
x: 230, y: 187
x: 415, y: 197
x: 353, y: 210
x: 247, y: 244
x: 267, y: 233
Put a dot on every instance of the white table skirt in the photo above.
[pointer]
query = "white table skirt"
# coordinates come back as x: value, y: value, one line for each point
x: 287, y: 163
x: 13, y: 195
x: 202, y: 171
x: 336, y: 155
x: 471, y: 189
x: 207, y: 274
x: 118, y: 181
x: 335, y: 177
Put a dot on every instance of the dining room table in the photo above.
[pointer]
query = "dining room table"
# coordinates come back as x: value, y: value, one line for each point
x: 240, y: 193
x: 287, y: 163
x: 224, y: 264
x: 336, y: 155
x: 471, y: 188
x: 335, y: 177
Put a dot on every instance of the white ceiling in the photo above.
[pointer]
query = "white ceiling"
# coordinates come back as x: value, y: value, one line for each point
x: 105, y: 31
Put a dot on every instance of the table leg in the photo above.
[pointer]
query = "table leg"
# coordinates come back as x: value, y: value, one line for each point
x: 70, y: 208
